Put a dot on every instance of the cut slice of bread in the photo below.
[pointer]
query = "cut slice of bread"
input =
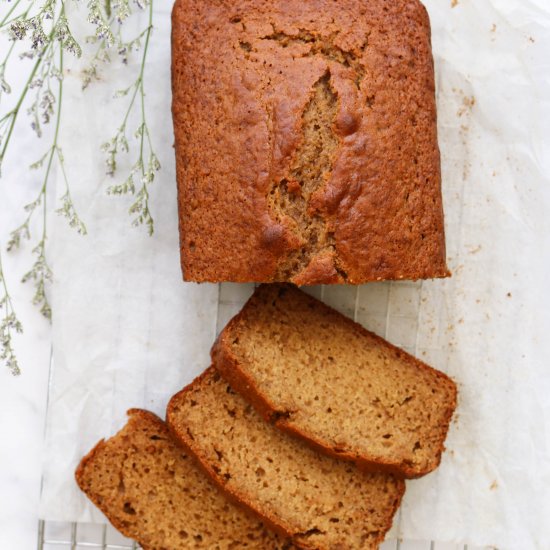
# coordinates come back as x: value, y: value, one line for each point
x: 320, y: 502
x: 153, y: 491
x: 319, y: 375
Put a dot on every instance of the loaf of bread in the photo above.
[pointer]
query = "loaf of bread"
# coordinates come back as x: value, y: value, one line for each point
x: 306, y: 145
x: 321, y: 503
x: 319, y: 375
x: 153, y: 492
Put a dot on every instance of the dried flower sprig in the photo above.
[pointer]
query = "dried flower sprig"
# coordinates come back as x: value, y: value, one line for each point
x: 67, y: 209
x: 108, y: 19
x: 49, y: 33
x: 9, y: 325
x: 143, y: 171
x: 40, y: 273
x: 44, y: 24
x: 97, y: 16
x: 50, y: 37
x: 111, y: 40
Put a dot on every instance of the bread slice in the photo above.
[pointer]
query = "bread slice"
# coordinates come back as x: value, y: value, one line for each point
x: 319, y: 502
x: 153, y: 492
x: 319, y: 375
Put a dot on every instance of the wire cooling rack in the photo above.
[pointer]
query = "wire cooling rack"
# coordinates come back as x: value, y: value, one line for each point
x: 82, y: 536
x: 399, y: 303
x: 79, y: 536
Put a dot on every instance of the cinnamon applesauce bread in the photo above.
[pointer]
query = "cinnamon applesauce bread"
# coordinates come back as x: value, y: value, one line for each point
x: 153, y: 492
x: 319, y: 375
x: 306, y: 146
x: 321, y: 503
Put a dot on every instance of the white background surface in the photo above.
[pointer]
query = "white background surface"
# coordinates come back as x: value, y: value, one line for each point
x: 493, y: 89
x: 22, y: 399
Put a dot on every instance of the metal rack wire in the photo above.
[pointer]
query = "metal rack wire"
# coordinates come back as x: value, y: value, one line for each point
x: 78, y: 536
x: 54, y: 536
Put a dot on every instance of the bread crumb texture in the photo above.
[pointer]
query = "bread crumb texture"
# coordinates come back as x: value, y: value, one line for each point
x: 318, y: 374
x: 320, y: 502
x: 153, y: 491
x: 306, y: 143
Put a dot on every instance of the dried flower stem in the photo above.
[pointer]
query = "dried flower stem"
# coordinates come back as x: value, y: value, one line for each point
x: 6, y: 21
x: 40, y: 272
x: 9, y: 324
x: 44, y: 22
x: 9, y: 118
x: 5, y: 88
x: 147, y: 163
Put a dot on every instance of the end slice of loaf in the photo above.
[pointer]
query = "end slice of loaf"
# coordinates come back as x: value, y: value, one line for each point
x: 320, y: 502
x: 319, y: 375
x: 153, y: 491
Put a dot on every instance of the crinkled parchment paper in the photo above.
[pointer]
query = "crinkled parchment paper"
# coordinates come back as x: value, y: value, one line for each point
x: 129, y: 333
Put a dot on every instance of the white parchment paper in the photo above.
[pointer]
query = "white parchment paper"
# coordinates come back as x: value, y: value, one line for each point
x: 128, y: 332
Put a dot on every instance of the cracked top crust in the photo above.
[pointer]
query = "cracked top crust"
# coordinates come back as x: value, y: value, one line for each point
x: 306, y: 143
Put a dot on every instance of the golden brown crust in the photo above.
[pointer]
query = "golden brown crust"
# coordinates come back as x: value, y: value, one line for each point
x: 105, y: 475
x: 87, y: 459
x: 226, y: 362
x: 280, y: 527
x: 238, y: 108
x: 187, y: 443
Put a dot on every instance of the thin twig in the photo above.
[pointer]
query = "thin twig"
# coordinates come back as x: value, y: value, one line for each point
x: 10, y: 11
